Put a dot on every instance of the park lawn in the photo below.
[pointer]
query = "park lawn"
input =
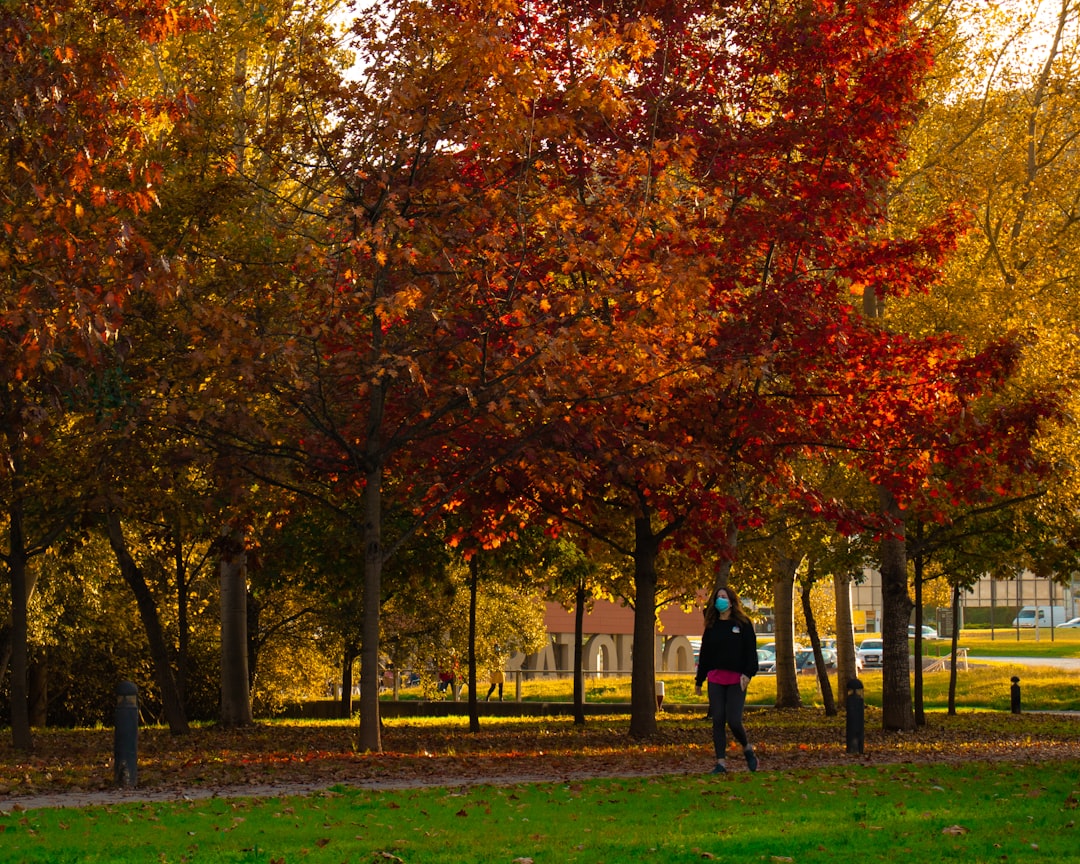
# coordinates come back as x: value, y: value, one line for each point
x: 1056, y: 643
x: 986, y: 685
x: 969, y: 812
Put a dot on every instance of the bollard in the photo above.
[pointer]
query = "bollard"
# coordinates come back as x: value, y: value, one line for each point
x: 126, y: 736
x: 855, y: 708
x: 1014, y: 693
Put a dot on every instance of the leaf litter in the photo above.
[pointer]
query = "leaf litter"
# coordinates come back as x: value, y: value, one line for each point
x: 74, y: 767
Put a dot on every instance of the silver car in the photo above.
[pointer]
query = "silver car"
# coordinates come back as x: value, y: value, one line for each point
x: 869, y: 651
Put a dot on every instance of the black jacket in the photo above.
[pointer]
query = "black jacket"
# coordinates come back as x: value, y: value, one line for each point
x: 730, y: 645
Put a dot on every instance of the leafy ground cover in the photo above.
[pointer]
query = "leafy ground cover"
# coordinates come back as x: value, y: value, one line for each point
x: 314, y: 755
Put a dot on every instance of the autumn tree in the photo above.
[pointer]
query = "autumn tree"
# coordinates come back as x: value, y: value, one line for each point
x: 79, y: 179
x: 998, y: 139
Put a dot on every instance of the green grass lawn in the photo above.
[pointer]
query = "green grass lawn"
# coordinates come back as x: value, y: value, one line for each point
x: 981, y: 685
x: 1013, y: 643
x: 970, y: 813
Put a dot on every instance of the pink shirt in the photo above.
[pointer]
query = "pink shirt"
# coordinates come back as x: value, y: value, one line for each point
x: 723, y: 676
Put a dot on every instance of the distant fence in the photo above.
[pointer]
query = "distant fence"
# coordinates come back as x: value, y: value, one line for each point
x: 940, y: 664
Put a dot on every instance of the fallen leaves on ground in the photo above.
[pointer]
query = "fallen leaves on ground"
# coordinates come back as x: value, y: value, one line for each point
x: 321, y: 754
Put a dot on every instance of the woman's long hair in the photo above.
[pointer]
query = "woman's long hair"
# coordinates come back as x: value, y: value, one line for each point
x: 737, y: 610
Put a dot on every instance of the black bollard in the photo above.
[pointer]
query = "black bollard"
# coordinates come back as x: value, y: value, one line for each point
x: 1014, y: 694
x: 855, y: 708
x: 126, y: 736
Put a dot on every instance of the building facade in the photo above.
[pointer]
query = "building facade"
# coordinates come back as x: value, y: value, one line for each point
x: 990, y: 601
x: 609, y: 627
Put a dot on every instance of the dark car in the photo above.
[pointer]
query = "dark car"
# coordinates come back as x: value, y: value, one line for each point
x: 804, y: 661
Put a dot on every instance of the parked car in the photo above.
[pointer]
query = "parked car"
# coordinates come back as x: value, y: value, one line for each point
x: 804, y: 661
x: 1072, y: 622
x: 766, y: 662
x: 927, y: 632
x: 1041, y: 616
x: 869, y: 652
x: 771, y: 646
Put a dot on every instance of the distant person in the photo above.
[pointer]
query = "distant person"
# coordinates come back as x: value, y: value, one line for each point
x: 727, y: 660
x: 496, y: 680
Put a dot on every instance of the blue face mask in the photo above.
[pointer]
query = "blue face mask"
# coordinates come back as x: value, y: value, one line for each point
x: 722, y: 604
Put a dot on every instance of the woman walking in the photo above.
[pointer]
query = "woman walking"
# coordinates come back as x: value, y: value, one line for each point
x: 727, y: 660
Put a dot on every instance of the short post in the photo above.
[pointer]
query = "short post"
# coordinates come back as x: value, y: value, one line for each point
x: 855, y: 708
x: 659, y: 695
x: 1014, y: 694
x: 126, y: 735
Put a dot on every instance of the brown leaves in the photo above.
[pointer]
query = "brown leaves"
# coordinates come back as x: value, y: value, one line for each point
x: 310, y: 756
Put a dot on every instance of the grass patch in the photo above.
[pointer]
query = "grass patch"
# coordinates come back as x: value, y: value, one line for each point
x: 970, y: 813
x: 979, y: 686
x: 1015, y: 643
x: 983, y: 687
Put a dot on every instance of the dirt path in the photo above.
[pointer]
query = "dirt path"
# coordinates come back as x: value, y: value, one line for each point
x: 385, y: 773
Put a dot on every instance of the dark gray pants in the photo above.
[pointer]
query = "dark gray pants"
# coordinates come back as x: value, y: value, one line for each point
x: 726, y: 702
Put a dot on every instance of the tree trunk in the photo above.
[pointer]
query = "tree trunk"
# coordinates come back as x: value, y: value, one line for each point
x: 815, y: 643
x: 39, y: 693
x: 370, y: 738
x: 896, y: 713
x: 917, y: 693
x: 350, y: 652
x: 254, y: 642
x: 723, y: 569
x: 159, y: 652
x: 787, y: 682
x: 235, y: 681
x: 474, y: 709
x: 183, y: 602
x: 954, y: 640
x: 579, y: 654
x: 643, y: 663
x: 845, y: 634
x: 21, y: 738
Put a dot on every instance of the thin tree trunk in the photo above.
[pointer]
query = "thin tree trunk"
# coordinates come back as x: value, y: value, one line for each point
x: 787, y: 682
x: 235, y: 680
x: 183, y: 623
x: 21, y: 738
x: 917, y: 692
x: 643, y: 663
x: 39, y: 693
x: 896, y: 712
x: 254, y: 642
x: 579, y: 654
x: 845, y: 634
x: 370, y: 737
x: 350, y: 652
x: 954, y: 642
x: 159, y: 652
x: 474, y: 708
x: 815, y: 643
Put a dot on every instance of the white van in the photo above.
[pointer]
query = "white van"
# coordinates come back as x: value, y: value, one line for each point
x: 1047, y: 616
